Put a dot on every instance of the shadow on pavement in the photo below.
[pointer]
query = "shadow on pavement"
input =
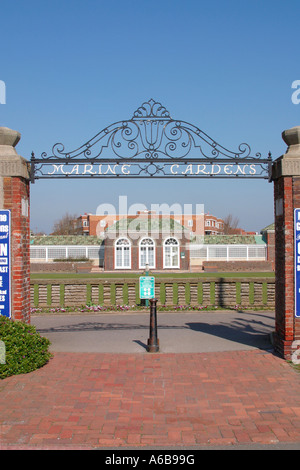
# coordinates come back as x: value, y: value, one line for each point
x: 179, y: 332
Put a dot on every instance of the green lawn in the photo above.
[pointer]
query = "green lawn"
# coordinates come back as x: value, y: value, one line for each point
x: 137, y: 275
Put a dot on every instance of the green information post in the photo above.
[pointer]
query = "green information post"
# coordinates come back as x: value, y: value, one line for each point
x: 147, y: 285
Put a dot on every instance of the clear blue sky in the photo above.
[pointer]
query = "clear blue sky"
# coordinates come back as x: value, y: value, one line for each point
x: 72, y: 67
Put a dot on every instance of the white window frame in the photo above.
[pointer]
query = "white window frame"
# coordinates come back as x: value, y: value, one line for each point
x: 153, y: 265
x: 178, y: 252
x: 123, y: 266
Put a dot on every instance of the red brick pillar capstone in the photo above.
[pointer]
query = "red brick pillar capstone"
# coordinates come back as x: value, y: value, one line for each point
x: 286, y: 177
x: 14, y: 195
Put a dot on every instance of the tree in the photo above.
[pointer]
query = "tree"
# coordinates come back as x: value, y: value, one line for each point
x: 66, y: 225
x: 231, y: 223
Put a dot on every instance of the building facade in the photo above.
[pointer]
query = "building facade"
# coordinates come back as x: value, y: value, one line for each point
x: 213, y: 225
x: 141, y: 243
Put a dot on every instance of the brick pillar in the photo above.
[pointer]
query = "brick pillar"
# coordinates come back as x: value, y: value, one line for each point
x: 286, y: 177
x: 14, y: 195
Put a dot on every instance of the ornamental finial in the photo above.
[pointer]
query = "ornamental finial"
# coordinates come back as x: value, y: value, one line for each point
x: 151, y: 110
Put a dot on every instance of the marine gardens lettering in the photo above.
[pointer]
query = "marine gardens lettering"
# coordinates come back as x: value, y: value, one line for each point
x: 177, y: 169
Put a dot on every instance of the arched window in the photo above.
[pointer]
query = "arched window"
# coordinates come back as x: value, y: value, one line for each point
x: 147, y: 253
x: 171, y: 253
x: 122, y: 254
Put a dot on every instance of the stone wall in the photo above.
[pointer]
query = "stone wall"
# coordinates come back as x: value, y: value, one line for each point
x: 237, y: 266
x: 60, y: 267
x: 229, y: 292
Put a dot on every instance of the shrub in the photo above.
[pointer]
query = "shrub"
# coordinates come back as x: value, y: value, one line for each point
x: 25, y: 349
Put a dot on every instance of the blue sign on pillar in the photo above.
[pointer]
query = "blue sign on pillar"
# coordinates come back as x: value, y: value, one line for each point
x: 5, y: 263
x: 297, y: 260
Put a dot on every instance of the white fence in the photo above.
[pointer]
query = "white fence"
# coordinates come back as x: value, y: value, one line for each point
x: 201, y: 252
x: 228, y: 252
x: 50, y: 252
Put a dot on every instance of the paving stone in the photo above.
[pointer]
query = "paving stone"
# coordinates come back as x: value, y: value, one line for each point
x: 97, y: 400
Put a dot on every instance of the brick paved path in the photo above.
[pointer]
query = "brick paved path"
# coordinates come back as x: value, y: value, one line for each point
x: 102, y: 400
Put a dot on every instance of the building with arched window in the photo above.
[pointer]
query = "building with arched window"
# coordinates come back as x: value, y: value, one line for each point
x: 171, y: 253
x: 122, y: 253
x: 157, y: 243
x: 147, y: 253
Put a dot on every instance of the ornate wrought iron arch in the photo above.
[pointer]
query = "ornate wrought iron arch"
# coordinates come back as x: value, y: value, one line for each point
x: 150, y: 144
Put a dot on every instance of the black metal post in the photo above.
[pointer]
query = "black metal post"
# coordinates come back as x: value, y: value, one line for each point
x: 147, y: 274
x: 153, y: 342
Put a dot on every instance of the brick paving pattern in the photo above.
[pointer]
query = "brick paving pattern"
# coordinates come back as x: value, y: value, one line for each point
x: 86, y: 401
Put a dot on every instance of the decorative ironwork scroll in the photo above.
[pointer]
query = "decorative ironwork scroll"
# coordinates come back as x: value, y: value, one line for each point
x: 150, y: 144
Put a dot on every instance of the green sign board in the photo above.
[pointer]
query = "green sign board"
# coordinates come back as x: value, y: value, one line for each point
x: 147, y: 285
